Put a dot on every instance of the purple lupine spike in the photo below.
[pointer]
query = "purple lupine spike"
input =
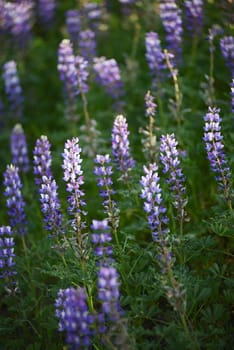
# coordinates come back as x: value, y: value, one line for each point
x: 169, y: 157
x: 73, y: 176
x: 42, y: 159
x: 7, y: 255
x: 170, y: 15
x: 153, y: 206
x: 101, y: 239
x: 13, y: 88
x: 19, y: 21
x: 108, y: 76
x: 73, y: 23
x: 46, y: 12
x: 87, y: 45
x: 194, y: 16
x: 19, y: 149
x: 74, y: 317
x: 92, y: 15
x: 120, y: 146
x: 82, y: 74
x: 232, y: 95
x: 50, y: 206
x: 68, y: 75
x: 215, y: 151
x: 103, y: 171
x: 154, y: 56
x: 227, y: 48
x: 150, y: 105
x: 15, y: 202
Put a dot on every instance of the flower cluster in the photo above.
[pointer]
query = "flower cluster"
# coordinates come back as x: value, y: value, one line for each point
x: 19, y: 149
x: 194, y: 15
x: 82, y: 73
x: 13, y: 88
x: 227, y: 48
x: 171, y: 18
x: 42, y: 159
x: 15, y: 202
x: 154, y: 56
x: 46, y: 11
x: 73, y: 23
x: 215, y: 150
x: 101, y: 239
x: 74, y: 317
x: 169, y: 157
x: 87, y: 45
x: 150, y: 105
x: 92, y: 14
x: 73, y: 176
x: 120, y: 146
x: 7, y: 263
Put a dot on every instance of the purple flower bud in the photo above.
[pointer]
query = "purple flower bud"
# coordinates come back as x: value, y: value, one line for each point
x: 42, y: 159
x: 227, y: 48
x: 74, y: 317
x: 13, y: 88
x: 87, y: 45
x: 194, y: 16
x: 154, y: 55
x: 19, y: 149
x: 15, y: 202
x: 7, y: 263
x: 46, y: 11
x: 120, y: 146
x: 73, y: 24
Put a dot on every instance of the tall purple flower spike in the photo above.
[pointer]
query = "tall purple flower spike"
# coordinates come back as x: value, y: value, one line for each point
x: 73, y: 23
x: 101, y: 239
x: 194, y: 16
x: 7, y: 255
x: 227, y: 49
x: 19, y: 149
x: 42, y: 159
x: 155, y: 56
x: 87, y: 45
x: 46, y: 12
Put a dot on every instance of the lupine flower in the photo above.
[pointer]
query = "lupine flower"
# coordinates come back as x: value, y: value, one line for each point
x: 171, y: 18
x: 7, y: 263
x: 150, y: 105
x: 153, y: 205
x: 215, y: 151
x: 82, y: 74
x: 194, y: 15
x: 68, y: 74
x: 227, y: 48
x: 50, y: 206
x: 13, y: 88
x: 103, y: 171
x: 108, y: 76
x: 46, y: 11
x: 169, y: 157
x: 101, y: 239
x: 120, y: 146
x: 42, y: 159
x: 232, y: 95
x: 154, y: 56
x: 74, y: 317
x: 19, y: 21
x: 15, y: 202
x: 19, y: 149
x: 73, y: 176
x: 92, y: 15
x: 73, y: 23
x: 87, y: 45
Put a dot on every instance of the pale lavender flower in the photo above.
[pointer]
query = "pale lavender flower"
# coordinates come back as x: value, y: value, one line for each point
x: 73, y: 23
x: 19, y: 149
x: 150, y: 105
x: 169, y: 157
x: 194, y: 16
x: 50, y: 206
x: 13, y: 88
x: 120, y: 146
x: 42, y: 159
x: 215, y: 151
x: 227, y: 48
x: 101, y: 239
x: 73, y: 176
x: 14, y: 199
x: 155, y: 56
x: 87, y: 45
x: 7, y: 255
x: 82, y: 74
x: 74, y: 317
x: 92, y: 15
x: 46, y: 12
x: 170, y: 15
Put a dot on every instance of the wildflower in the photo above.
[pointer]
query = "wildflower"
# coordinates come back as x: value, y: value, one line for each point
x: 15, y: 202
x: 73, y: 23
x: 74, y: 317
x: 101, y: 238
x: 82, y: 74
x: 169, y: 157
x: 7, y: 263
x: 92, y: 15
x: 215, y: 151
x: 232, y: 95
x: 154, y: 56
x: 150, y: 105
x: 42, y: 159
x: 227, y: 48
x: 194, y: 16
x: 13, y: 88
x: 171, y: 17
x: 120, y: 146
x: 46, y: 11
x: 87, y: 45
x: 19, y: 149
